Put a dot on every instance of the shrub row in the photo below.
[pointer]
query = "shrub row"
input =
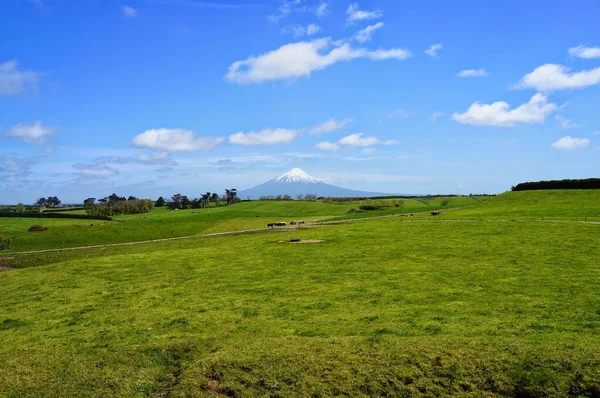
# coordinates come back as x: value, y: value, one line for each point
x: 4, y: 243
x: 589, y: 183
x: 55, y: 215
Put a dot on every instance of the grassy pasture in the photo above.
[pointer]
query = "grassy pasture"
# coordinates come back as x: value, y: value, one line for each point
x: 381, y: 308
x: 523, y: 205
x: 164, y: 223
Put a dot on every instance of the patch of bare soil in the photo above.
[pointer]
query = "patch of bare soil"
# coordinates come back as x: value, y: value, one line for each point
x: 5, y: 264
x: 302, y: 241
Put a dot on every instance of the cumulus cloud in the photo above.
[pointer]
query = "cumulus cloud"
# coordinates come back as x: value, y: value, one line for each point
x: 174, y: 140
x: 273, y: 136
x: 366, y: 34
x: 550, y: 77
x: 33, y: 133
x: 358, y: 140
x: 129, y: 11
x: 472, y: 73
x: 585, y: 52
x: 569, y: 143
x: 352, y: 140
x: 329, y: 126
x: 14, y: 81
x: 391, y: 142
x: 355, y: 14
x: 499, y: 113
x: 327, y: 146
x: 565, y: 123
x: 433, y: 49
x: 264, y: 137
x: 295, y: 60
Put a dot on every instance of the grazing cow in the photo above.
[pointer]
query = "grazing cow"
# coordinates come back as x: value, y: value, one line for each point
x: 436, y: 213
x: 301, y: 222
x: 293, y: 222
x: 270, y: 225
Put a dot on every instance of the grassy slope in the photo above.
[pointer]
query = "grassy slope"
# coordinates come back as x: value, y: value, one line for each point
x: 162, y: 223
x: 552, y: 205
x: 381, y: 308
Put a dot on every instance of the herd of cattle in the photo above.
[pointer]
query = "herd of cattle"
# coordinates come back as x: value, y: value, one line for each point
x: 283, y: 224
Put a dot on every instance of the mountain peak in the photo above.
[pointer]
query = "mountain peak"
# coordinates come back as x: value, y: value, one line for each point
x: 297, y: 175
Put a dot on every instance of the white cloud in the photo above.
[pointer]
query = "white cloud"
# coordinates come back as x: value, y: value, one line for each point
x: 34, y: 133
x: 433, y: 49
x: 353, y: 140
x: 264, y: 137
x: 472, y: 73
x: 585, y: 52
x: 568, y: 143
x: 129, y: 12
x: 366, y: 34
x: 174, y: 140
x: 557, y: 77
x: 285, y: 136
x: 565, y: 123
x: 369, y: 151
x: 14, y: 81
x: 357, y: 140
x: 308, y: 30
x: 300, y: 59
x: 498, y: 113
x: 329, y: 126
x: 356, y: 14
x: 327, y: 146
x: 321, y: 10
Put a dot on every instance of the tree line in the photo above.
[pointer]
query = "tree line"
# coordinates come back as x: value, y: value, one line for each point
x: 589, y: 183
x: 115, y: 205
x: 181, y: 202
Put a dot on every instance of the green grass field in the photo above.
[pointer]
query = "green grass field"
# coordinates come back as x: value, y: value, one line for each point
x: 163, y: 223
x: 572, y: 205
x: 382, y: 307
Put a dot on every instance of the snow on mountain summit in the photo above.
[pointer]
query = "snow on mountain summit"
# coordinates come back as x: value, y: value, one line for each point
x: 297, y: 175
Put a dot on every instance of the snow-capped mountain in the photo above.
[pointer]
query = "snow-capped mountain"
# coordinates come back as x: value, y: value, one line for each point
x: 296, y: 182
x: 296, y: 175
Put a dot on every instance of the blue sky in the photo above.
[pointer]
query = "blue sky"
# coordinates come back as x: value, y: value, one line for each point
x: 156, y: 97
